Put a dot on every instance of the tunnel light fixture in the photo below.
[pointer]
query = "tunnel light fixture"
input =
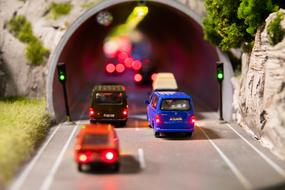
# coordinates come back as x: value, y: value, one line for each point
x: 140, y: 11
x: 136, y: 16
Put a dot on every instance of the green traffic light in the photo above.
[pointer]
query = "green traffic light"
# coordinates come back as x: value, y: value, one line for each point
x: 62, y: 77
x: 220, y: 76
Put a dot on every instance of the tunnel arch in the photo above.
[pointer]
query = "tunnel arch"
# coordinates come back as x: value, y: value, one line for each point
x: 71, y: 31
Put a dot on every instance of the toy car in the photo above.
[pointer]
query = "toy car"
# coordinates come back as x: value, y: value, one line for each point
x: 97, y: 144
x: 109, y: 104
x: 171, y: 111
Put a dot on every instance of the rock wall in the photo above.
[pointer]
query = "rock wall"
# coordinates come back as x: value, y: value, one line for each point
x: 260, y: 95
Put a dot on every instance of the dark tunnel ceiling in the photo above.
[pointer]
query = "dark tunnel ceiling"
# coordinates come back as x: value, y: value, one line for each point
x: 177, y: 44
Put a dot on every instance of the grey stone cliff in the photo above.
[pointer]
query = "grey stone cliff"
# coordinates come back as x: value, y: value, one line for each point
x: 260, y: 96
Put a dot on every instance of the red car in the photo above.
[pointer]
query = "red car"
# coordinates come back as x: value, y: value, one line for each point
x: 97, y: 144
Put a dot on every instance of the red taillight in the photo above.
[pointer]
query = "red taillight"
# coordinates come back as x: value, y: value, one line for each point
x: 110, y: 68
x: 84, y: 157
x: 91, y: 112
x: 125, y: 112
x: 138, y: 77
x: 192, y: 120
x: 109, y: 156
x: 153, y: 76
x: 158, y: 119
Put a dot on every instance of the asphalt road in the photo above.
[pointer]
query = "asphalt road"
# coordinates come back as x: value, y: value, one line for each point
x: 218, y: 156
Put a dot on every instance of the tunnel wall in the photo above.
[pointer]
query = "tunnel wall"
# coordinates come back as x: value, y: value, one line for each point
x: 53, y: 87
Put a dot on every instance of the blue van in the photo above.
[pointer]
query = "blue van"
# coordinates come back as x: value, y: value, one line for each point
x: 171, y: 112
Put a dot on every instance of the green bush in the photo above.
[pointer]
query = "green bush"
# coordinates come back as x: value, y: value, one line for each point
x: 24, y: 123
x: 275, y: 31
x: 57, y: 10
x: 36, y: 52
x: 21, y: 28
x: 233, y: 23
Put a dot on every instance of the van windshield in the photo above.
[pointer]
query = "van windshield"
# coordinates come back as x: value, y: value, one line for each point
x: 109, y: 98
x: 175, y: 104
x: 92, y: 139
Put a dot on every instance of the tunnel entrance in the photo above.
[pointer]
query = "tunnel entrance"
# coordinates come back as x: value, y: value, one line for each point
x: 176, y: 39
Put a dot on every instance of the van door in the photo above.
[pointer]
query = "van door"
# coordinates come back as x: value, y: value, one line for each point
x: 152, y: 110
x: 176, y: 112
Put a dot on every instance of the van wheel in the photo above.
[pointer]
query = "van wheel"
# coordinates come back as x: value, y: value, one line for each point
x: 188, y: 135
x: 116, y: 167
x: 79, y: 167
x: 92, y: 121
x: 157, y: 134
x: 121, y: 123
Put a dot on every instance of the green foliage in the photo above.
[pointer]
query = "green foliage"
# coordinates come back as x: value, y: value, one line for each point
x: 254, y: 13
x: 21, y: 28
x: 275, y: 31
x: 233, y: 23
x: 24, y: 123
x: 36, y: 52
x: 222, y: 26
x: 57, y: 10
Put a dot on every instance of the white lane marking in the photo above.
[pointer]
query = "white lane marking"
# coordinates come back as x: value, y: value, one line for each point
x: 277, y: 168
x: 231, y: 165
x: 141, y: 158
x: 19, y: 182
x: 48, y: 181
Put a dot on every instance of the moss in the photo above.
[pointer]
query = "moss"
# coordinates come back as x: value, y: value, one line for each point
x: 275, y: 31
x: 21, y: 28
x: 24, y: 123
x: 36, y: 52
x: 88, y: 5
x: 57, y: 10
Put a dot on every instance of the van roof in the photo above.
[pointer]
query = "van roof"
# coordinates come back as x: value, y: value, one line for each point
x: 165, y: 81
x: 172, y: 94
x: 108, y: 88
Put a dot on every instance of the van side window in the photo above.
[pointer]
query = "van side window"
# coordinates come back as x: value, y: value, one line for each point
x: 154, y: 101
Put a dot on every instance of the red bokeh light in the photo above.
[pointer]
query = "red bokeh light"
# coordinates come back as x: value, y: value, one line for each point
x: 120, y: 68
x: 153, y: 76
x: 128, y: 62
x: 138, y: 77
x: 122, y: 56
x: 110, y: 68
x: 137, y: 65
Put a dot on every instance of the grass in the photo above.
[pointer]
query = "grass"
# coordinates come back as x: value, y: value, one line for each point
x: 23, y: 124
x: 21, y: 28
x: 57, y: 10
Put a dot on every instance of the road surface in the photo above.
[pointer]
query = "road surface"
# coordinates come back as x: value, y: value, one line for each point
x: 218, y: 156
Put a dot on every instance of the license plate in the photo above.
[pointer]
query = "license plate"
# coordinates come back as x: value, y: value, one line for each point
x: 108, y: 115
x: 175, y: 119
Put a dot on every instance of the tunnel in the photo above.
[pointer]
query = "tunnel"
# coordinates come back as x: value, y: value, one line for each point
x: 175, y: 37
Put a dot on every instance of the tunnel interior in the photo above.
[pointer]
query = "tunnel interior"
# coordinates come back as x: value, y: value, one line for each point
x: 177, y: 46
